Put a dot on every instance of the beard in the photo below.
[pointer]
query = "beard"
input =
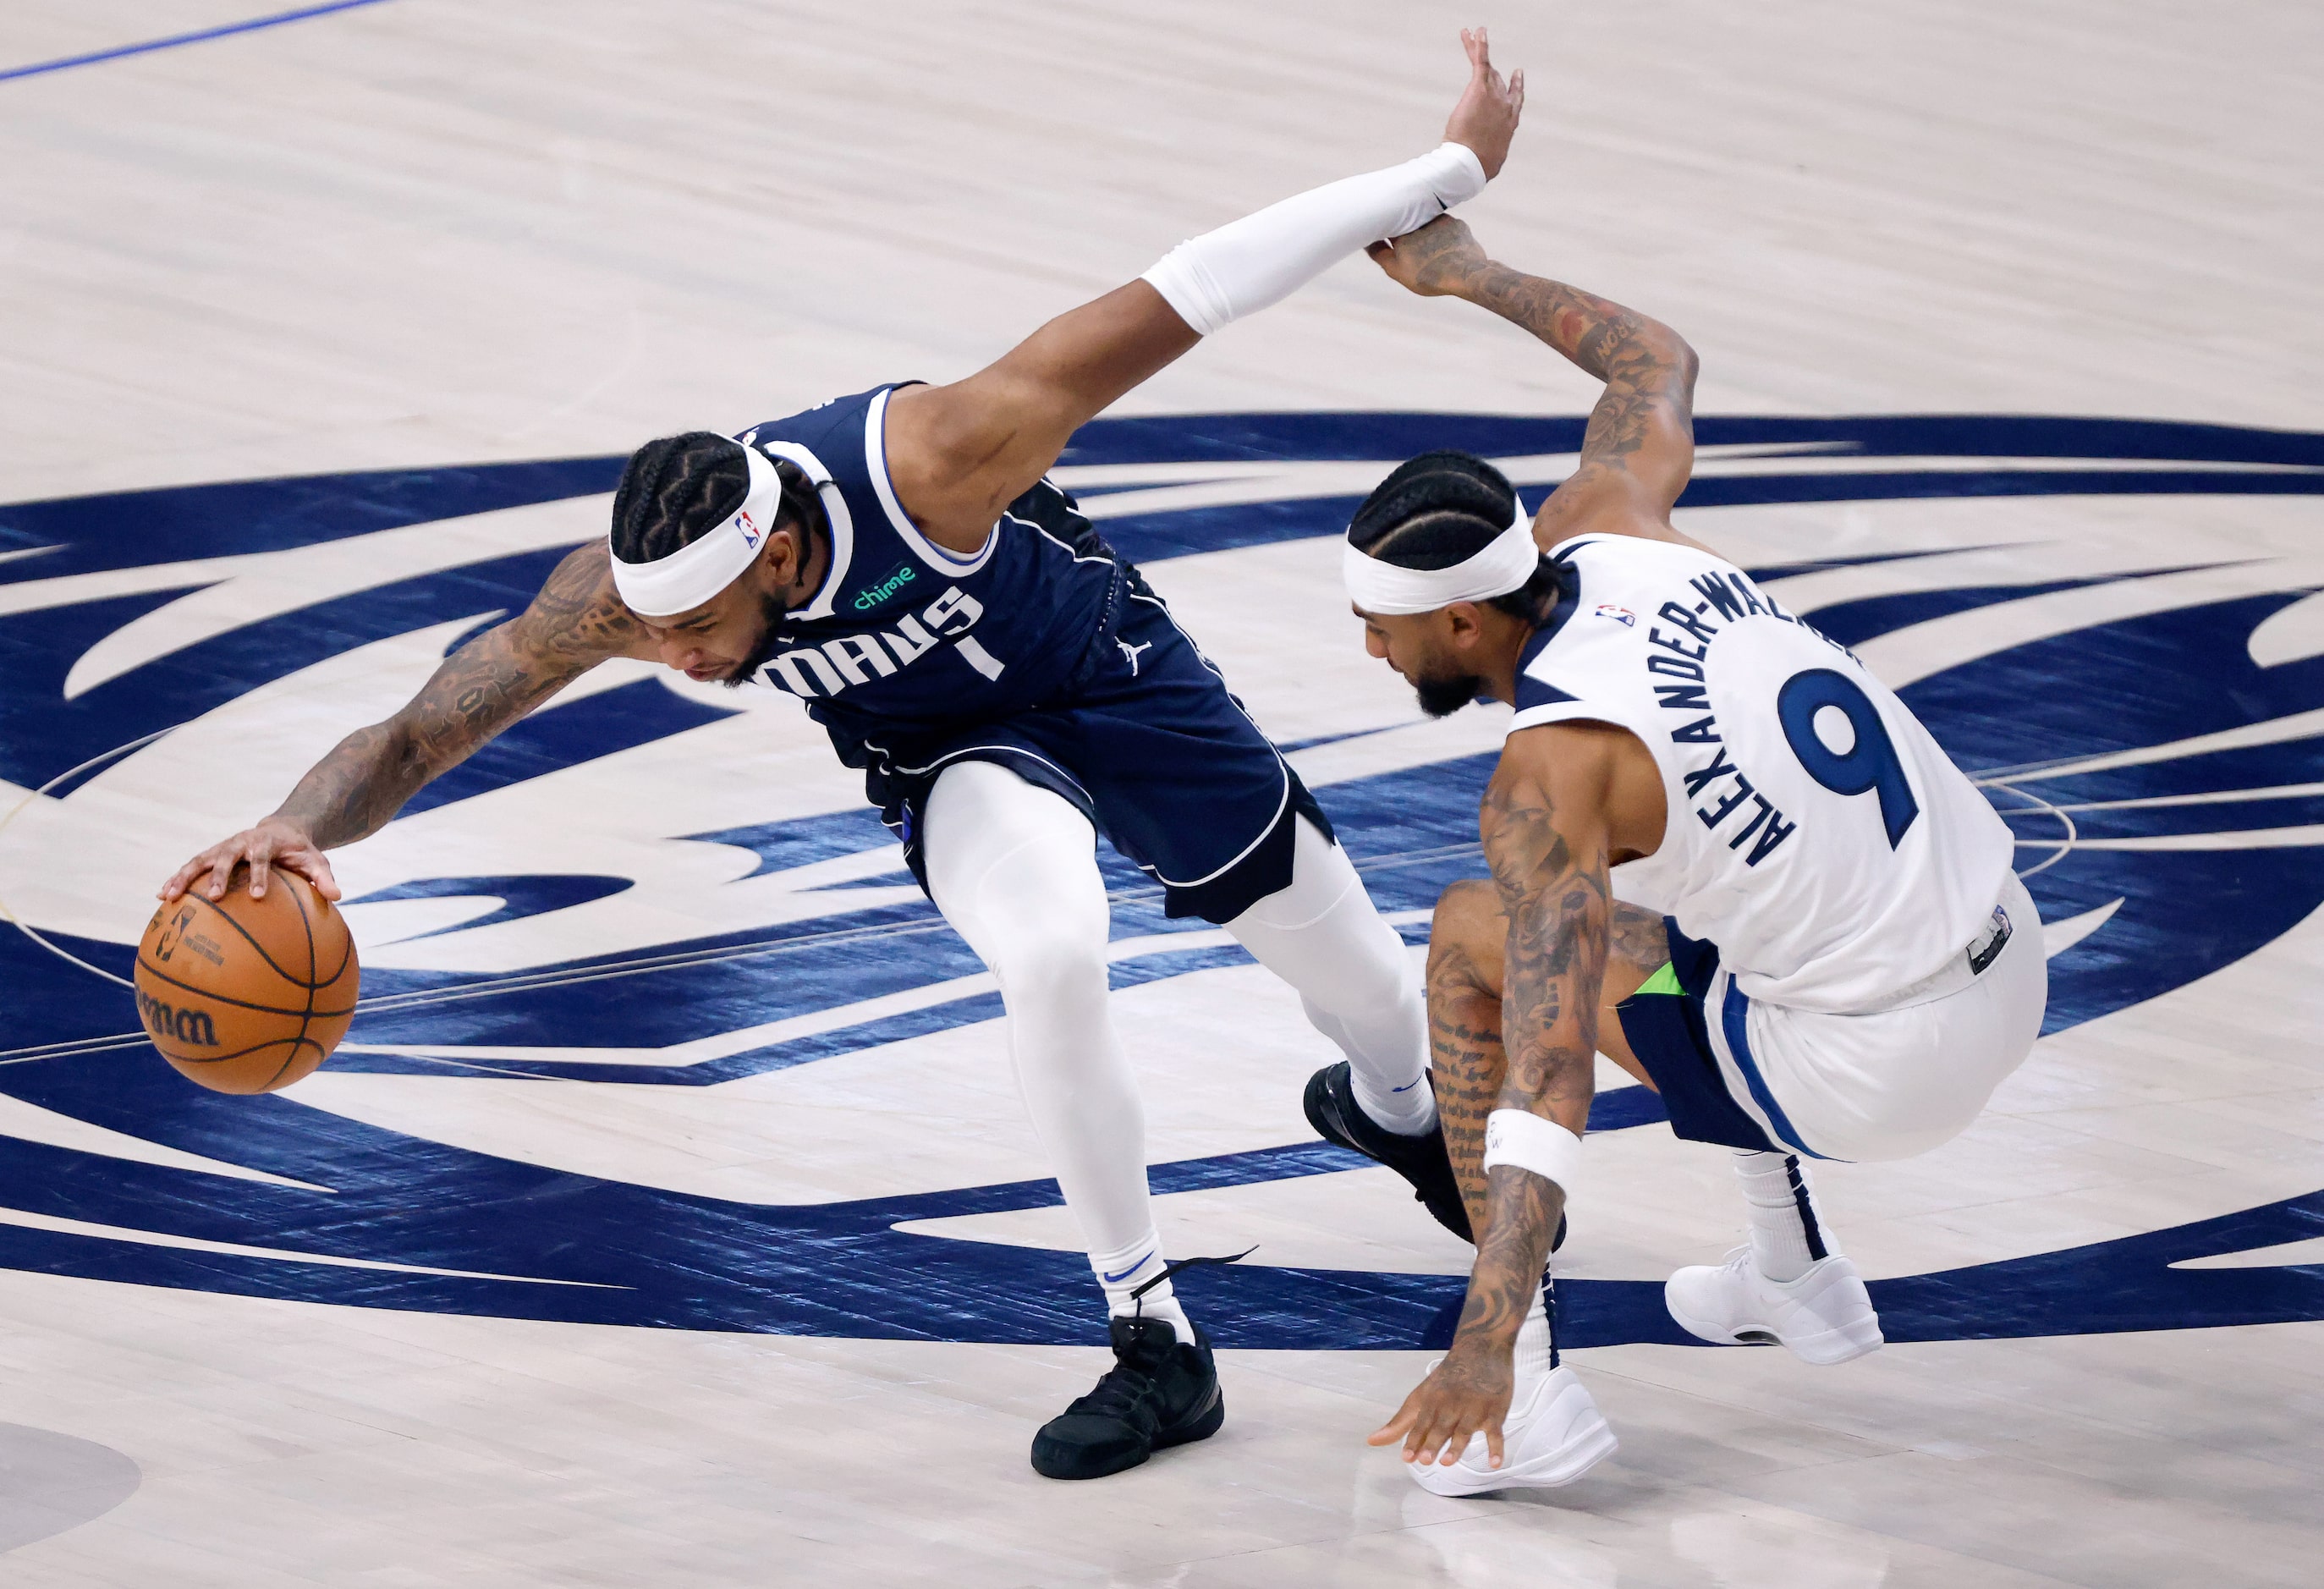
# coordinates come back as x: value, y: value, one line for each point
x: 772, y: 614
x: 1441, y: 698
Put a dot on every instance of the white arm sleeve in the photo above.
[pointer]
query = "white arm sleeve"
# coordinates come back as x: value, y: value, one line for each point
x: 1264, y: 258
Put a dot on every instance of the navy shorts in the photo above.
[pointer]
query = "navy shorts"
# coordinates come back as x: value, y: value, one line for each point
x: 1152, y: 748
x: 1667, y: 1033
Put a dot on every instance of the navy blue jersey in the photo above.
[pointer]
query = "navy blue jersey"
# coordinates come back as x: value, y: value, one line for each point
x: 905, y: 635
x: 1044, y: 652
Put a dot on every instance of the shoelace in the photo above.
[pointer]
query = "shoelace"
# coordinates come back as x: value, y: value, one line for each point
x: 1170, y: 1269
x: 1126, y: 1387
x: 1130, y: 1382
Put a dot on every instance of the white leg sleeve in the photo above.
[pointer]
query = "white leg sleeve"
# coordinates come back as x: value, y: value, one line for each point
x: 1358, y: 984
x: 1013, y: 868
x: 1261, y: 259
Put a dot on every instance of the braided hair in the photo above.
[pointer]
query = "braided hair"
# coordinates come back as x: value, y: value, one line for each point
x: 676, y: 488
x: 1444, y: 508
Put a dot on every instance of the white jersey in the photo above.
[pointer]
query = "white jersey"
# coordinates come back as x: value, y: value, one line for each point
x: 1816, y: 834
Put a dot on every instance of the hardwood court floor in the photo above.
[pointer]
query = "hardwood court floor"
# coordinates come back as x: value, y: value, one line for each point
x: 665, y: 1055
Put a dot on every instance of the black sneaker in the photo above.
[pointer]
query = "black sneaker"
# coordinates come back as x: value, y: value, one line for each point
x: 1160, y: 1392
x: 1337, y: 1117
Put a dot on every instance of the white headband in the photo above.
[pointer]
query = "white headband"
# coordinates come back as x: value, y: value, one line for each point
x: 698, y: 571
x: 1504, y: 564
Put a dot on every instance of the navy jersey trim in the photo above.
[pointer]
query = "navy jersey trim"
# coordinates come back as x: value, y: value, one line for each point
x: 839, y: 524
x: 1536, y: 692
x: 883, y: 486
x: 1669, y: 1034
x: 1071, y: 550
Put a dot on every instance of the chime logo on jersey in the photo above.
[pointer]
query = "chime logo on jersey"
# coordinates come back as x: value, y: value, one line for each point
x: 2168, y: 822
x: 866, y: 599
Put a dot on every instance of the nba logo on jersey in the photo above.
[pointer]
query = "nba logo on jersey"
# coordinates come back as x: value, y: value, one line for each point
x: 1622, y: 616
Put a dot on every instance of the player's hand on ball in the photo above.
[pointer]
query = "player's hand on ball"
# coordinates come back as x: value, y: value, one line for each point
x: 1435, y: 262
x: 1486, y: 119
x: 1467, y: 1392
x: 272, y: 843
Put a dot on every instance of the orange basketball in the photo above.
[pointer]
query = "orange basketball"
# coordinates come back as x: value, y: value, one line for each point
x: 247, y: 995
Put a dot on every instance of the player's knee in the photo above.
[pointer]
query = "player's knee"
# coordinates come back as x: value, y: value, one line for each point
x: 1053, y: 962
x: 1466, y: 938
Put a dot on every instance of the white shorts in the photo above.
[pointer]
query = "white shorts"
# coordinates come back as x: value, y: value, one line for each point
x: 1895, y: 1084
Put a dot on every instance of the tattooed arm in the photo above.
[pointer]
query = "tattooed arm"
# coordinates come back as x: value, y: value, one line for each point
x: 959, y: 454
x: 576, y: 622
x: 1639, y: 446
x: 1548, y: 824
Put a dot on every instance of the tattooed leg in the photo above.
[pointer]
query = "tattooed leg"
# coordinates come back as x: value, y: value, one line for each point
x: 1637, y: 948
x: 1464, y: 1027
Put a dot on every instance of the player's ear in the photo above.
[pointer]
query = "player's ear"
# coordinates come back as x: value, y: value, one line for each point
x: 1462, y: 624
x: 784, y: 557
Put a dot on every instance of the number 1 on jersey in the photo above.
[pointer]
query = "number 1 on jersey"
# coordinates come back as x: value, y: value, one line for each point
x: 1870, y: 763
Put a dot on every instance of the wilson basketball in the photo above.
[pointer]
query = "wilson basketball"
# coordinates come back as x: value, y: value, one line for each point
x: 247, y: 995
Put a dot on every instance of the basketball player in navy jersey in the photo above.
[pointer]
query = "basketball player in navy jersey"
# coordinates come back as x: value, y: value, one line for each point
x: 1008, y: 686
x: 1723, y: 853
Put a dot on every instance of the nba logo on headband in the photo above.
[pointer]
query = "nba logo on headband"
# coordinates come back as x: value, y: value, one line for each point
x: 698, y: 571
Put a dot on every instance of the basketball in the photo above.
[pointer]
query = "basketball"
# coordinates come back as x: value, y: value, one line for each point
x: 247, y: 995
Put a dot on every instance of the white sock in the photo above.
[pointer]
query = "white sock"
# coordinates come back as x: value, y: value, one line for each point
x: 1787, y: 1230
x: 1354, y: 976
x: 1536, y: 1351
x: 1408, y: 1111
x: 1123, y: 1270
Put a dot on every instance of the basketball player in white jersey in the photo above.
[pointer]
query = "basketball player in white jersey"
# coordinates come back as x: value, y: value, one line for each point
x: 1723, y: 853
x: 1008, y: 685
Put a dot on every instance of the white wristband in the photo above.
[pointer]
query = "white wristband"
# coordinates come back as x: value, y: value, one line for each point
x: 1513, y: 1136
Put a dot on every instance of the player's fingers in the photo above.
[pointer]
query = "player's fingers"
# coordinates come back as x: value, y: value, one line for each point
x: 1394, y: 1429
x: 1426, y: 1436
x: 221, y: 867
x: 258, y: 853
x: 182, y: 878
x: 1517, y: 89
x: 317, y: 870
x: 1493, y: 1442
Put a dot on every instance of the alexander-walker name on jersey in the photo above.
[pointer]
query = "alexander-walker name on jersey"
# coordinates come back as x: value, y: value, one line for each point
x: 1726, y: 598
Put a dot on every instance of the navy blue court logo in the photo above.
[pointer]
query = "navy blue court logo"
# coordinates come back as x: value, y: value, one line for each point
x: 2153, y: 735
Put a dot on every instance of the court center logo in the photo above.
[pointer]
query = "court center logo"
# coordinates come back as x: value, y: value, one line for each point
x: 2150, y: 722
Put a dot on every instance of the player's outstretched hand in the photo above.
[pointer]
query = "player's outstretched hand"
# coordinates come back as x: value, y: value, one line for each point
x: 1486, y: 119
x: 1467, y: 1392
x: 1436, y: 260
x: 272, y: 843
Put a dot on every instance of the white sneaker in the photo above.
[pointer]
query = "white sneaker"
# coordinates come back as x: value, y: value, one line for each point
x: 1824, y: 1317
x: 1552, y: 1435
